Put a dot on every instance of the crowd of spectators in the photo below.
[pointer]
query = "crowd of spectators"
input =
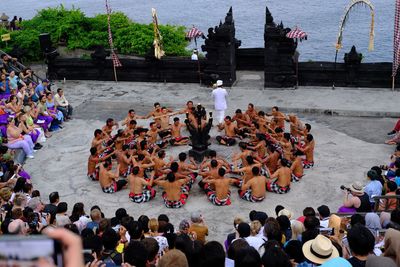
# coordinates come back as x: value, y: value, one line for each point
x: 28, y: 113
x: 316, y: 238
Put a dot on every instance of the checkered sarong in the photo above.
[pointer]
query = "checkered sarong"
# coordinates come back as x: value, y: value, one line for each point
x: 246, y: 195
x: 175, y: 204
x: 295, y: 178
x: 145, y: 196
x: 110, y: 189
x: 275, y: 188
x: 213, y: 198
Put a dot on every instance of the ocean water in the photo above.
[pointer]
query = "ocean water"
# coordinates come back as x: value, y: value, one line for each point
x: 319, y: 18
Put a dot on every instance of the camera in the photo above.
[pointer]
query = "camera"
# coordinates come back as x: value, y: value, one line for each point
x: 345, y: 188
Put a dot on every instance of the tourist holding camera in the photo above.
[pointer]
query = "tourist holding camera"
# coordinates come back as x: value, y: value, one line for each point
x: 355, y: 199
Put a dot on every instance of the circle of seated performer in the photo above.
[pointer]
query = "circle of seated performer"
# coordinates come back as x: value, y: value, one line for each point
x: 297, y: 167
x: 308, y: 150
x: 109, y: 180
x: 140, y: 189
x: 283, y: 176
x: 175, y: 192
x: 230, y: 130
x: 254, y: 189
x: 220, y: 195
x: 177, y: 139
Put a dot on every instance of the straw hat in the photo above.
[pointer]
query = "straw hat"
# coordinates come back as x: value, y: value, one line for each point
x: 220, y: 83
x: 286, y: 213
x: 357, y: 187
x: 320, y: 250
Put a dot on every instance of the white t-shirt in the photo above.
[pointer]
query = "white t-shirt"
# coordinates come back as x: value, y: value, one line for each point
x: 219, y: 94
x: 255, y: 242
x: 195, y: 57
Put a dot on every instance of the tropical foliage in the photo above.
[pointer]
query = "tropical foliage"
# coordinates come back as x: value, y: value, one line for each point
x: 79, y: 31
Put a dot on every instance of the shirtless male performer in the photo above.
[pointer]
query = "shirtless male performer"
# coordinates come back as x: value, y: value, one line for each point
x: 131, y: 116
x: 283, y: 176
x: 109, y: 180
x: 93, y: 160
x: 251, y: 112
x: 109, y: 127
x: 246, y: 170
x: 254, y: 190
x: 212, y: 154
x: 220, y: 196
x: 136, y: 183
x: 230, y: 132
x: 308, y: 150
x: 177, y: 139
x: 124, y: 161
x: 160, y: 164
x: 297, y: 167
x: 175, y: 194
x: 278, y: 118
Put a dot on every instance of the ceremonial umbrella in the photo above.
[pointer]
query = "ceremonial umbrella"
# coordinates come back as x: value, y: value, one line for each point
x: 297, y: 34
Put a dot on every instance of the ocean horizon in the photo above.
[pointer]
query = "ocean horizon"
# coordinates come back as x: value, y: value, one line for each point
x: 319, y: 18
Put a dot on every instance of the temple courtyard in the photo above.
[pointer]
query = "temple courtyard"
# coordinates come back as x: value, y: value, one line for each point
x: 347, y: 145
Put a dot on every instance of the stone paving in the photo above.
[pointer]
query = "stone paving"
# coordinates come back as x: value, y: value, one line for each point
x: 345, y: 147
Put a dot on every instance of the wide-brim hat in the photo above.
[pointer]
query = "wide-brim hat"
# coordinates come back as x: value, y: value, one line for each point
x: 356, y: 187
x: 286, y: 213
x: 320, y: 250
x: 220, y: 83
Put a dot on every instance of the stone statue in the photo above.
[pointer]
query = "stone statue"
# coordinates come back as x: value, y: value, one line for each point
x: 199, y: 132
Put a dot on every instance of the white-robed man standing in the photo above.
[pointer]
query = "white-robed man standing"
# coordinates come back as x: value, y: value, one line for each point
x: 219, y: 94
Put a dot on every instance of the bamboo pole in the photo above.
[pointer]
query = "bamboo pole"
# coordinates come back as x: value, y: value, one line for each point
x: 393, y: 78
x: 115, y: 74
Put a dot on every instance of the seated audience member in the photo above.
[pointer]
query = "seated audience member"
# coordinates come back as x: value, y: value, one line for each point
x: 324, y: 215
x: 374, y: 186
x: 135, y: 254
x: 392, y: 245
x: 361, y: 242
x: 198, y: 226
x: 152, y: 248
x: 355, y: 199
x: 320, y: 250
x: 389, y: 204
x: 63, y: 104
x: 173, y: 258
x: 274, y: 255
x: 212, y: 254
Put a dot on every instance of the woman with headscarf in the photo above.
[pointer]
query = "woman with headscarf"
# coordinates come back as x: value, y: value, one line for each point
x: 372, y: 222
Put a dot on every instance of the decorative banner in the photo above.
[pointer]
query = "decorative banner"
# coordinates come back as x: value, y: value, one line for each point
x: 115, y: 59
x: 5, y: 37
x: 158, y: 47
x: 349, y: 8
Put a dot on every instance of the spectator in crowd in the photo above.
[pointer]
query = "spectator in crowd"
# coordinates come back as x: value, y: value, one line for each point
x: 355, y: 199
x: 361, y: 243
x: 54, y: 199
x: 198, y: 226
x: 374, y: 187
x: 63, y: 104
x: 324, y: 214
